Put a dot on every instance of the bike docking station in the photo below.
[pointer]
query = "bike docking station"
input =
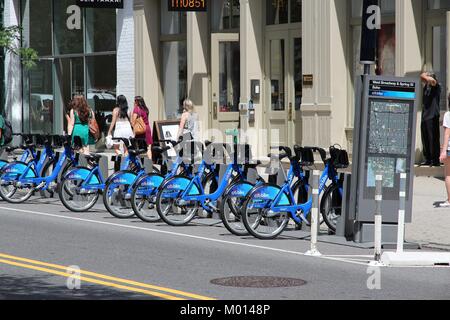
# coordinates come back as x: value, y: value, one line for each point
x: 382, y: 170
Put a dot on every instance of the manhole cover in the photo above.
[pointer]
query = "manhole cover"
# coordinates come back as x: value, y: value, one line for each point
x: 258, y: 282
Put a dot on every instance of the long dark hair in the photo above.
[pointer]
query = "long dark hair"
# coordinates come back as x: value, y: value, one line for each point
x: 139, y: 101
x: 122, y: 104
x: 79, y: 104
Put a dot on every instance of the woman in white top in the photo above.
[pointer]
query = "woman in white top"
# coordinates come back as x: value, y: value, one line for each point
x: 445, y: 157
x: 121, y: 124
x: 189, y: 121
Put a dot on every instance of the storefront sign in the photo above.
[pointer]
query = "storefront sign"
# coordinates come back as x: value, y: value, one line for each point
x: 116, y: 4
x: 308, y: 79
x: 188, y: 5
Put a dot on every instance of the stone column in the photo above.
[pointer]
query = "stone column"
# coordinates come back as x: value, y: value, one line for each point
x: 147, y: 55
x: 126, y: 52
x: 252, y: 65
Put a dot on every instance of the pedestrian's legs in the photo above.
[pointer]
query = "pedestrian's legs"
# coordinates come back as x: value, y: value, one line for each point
x: 149, y: 152
x: 435, y: 147
x: 447, y: 177
x: 426, y: 142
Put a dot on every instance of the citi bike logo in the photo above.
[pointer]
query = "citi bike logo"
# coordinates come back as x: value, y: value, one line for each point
x: 238, y: 193
x: 174, y: 186
x: 263, y: 195
x: 120, y: 181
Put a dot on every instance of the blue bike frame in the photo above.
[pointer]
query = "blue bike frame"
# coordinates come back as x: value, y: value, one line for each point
x: 284, y: 199
x: 31, y: 173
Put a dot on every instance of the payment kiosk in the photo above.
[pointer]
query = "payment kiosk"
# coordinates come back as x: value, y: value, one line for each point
x: 384, y: 144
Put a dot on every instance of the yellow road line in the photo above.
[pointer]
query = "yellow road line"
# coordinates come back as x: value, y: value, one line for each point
x: 105, y: 277
x: 90, y: 280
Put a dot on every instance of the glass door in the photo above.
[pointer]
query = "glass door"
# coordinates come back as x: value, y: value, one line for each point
x: 69, y: 82
x: 277, y: 104
x: 226, y: 81
x: 296, y: 85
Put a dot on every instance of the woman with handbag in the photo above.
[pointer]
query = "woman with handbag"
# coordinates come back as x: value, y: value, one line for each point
x: 80, y: 121
x: 121, y: 124
x: 141, y: 124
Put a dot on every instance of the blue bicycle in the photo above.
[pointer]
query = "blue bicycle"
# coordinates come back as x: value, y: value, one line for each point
x: 180, y: 198
x: 19, y: 180
x: 268, y: 208
x: 120, y: 185
x: 81, y: 187
x: 143, y: 197
x: 28, y: 154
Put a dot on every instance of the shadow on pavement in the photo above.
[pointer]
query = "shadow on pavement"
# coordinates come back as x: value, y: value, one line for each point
x: 40, y: 288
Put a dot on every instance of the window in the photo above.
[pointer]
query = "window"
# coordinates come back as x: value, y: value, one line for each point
x: 174, y: 77
x: 283, y: 11
x: 41, y: 98
x: 174, y: 66
x: 68, y: 30
x: 66, y: 37
x: 438, y: 4
x: 226, y: 15
x: 100, y: 30
x: 101, y: 85
x: 172, y: 22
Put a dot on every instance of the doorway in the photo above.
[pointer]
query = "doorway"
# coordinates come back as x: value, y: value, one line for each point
x: 283, y: 67
x: 225, y: 81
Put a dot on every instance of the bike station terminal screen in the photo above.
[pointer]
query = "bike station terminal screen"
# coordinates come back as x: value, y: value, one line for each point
x: 389, y: 134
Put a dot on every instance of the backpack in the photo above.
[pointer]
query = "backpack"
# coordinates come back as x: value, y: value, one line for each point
x: 7, y: 132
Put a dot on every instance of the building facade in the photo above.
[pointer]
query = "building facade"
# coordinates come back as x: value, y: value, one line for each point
x: 295, y: 59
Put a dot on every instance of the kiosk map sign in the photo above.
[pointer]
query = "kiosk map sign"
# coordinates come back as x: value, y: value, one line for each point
x: 385, y: 131
x: 389, y: 131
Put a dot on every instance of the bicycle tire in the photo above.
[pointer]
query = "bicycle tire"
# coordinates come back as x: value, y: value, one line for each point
x: 106, y: 201
x: 62, y: 192
x: 331, y: 208
x: 251, y: 226
x: 137, y: 207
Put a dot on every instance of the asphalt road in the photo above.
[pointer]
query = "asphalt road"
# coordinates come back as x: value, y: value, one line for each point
x: 129, y: 259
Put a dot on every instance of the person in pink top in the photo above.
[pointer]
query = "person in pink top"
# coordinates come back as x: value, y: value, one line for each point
x: 141, y: 110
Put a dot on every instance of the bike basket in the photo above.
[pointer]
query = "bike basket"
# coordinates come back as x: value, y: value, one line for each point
x: 339, y: 157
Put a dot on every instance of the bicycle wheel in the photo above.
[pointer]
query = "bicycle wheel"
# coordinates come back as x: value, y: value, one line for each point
x: 331, y: 206
x: 259, y: 221
x: 115, y: 196
x: 171, y: 208
x: 74, y: 198
x: 11, y: 190
x: 143, y: 198
x: 48, y: 171
x: 230, y: 208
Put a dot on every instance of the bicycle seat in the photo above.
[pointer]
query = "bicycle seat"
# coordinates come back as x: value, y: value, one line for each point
x: 253, y: 165
x: 93, y: 157
x: 305, y: 156
x: 137, y: 152
x: 160, y: 149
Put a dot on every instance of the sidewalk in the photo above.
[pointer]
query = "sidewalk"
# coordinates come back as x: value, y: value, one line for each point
x: 430, y: 226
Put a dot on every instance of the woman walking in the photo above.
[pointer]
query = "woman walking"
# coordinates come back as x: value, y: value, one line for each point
x: 78, y: 125
x: 121, y: 124
x: 140, y: 114
x: 445, y: 157
x: 189, y: 121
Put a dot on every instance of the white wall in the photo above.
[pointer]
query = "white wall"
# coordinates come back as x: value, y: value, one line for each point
x: 125, y: 52
x: 13, y: 82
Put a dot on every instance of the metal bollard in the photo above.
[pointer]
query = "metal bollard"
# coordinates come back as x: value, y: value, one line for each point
x: 315, y: 215
x: 378, y: 216
x: 401, y: 214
